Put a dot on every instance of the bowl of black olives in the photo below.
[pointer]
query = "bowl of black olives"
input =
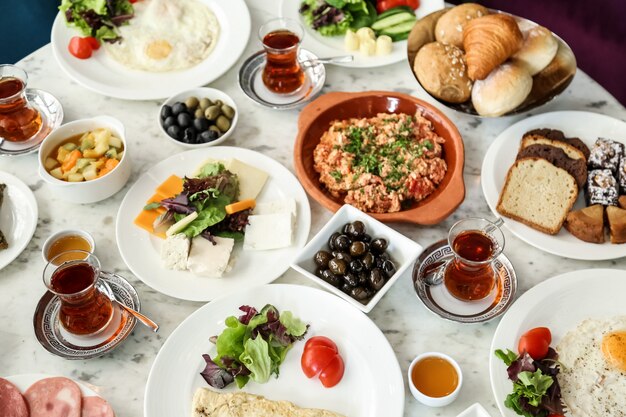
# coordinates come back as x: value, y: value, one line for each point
x: 356, y: 257
x: 199, y: 117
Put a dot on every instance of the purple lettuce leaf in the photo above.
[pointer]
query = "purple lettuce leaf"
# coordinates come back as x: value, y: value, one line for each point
x: 179, y: 204
x: 249, y: 313
x: 214, y: 375
x: 521, y: 364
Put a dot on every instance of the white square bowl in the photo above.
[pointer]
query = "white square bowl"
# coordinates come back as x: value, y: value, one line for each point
x: 402, y: 250
x: 475, y: 410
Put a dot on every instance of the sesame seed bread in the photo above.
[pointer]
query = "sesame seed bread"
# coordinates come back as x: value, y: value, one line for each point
x: 442, y: 72
x: 534, y: 139
x: 538, y: 194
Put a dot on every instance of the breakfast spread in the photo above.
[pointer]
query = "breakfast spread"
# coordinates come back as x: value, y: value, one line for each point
x: 383, y: 163
x: 3, y: 240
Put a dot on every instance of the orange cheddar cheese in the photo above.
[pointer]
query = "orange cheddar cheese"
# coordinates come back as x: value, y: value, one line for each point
x: 145, y: 219
x: 171, y: 186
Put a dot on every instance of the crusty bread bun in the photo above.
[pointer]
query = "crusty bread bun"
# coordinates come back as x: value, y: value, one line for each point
x: 422, y: 33
x: 449, y: 28
x: 442, y: 72
x: 502, y: 91
x: 538, y: 50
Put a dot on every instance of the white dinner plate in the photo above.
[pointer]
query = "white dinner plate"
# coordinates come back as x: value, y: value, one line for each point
x: 24, y: 381
x: 104, y: 75
x: 501, y: 155
x: 18, y: 217
x: 141, y: 251
x: 372, y: 385
x: 325, y: 46
x: 560, y: 304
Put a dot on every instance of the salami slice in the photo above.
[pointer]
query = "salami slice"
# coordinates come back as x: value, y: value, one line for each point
x: 54, y: 397
x: 96, y: 407
x: 12, y: 403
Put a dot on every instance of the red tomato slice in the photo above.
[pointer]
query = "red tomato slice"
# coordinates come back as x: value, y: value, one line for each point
x: 320, y: 341
x: 413, y: 4
x: 93, y: 42
x: 315, y: 359
x: 80, y: 47
x: 536, y: 342
x: 384, y: 5
x: 333, y: 372
x: 556, y: 415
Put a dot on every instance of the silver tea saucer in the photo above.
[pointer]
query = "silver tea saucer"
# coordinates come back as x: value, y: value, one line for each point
x: 438, y: 300
x: 251, y: 82
x: 56, y: 340
x: 51, y: 117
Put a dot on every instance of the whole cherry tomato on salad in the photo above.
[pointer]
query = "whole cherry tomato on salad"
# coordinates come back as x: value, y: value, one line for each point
x: 93, y: 42
x: 321, y: 356
x: 80, y: 47
x: 556, y: 415
x: 535, y: 342
x: 384, y: 5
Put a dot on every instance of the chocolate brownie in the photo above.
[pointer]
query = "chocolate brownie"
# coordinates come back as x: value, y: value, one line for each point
x: 601, y: 188
x: 606, y: 154
x: 577, y: 168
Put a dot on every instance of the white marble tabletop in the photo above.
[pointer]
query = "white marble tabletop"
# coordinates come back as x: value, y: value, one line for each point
x: 411, y: 329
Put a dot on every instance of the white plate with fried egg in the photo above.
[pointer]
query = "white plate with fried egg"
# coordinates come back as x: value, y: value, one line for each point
x: 585, y: 311
x: 168, y: 46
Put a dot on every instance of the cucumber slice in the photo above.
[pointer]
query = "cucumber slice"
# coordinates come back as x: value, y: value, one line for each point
x: 70, y: 146
x: 86, y: 144
x: 393, y: 20
x: 395, y: 10
x: 111, y: 153
x: 402, y: 28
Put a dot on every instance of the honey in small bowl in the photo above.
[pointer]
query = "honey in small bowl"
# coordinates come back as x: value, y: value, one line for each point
x: 68, y: 243
x: 435, y: 377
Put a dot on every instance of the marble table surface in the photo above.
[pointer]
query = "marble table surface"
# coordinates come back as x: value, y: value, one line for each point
x: 411, y: 329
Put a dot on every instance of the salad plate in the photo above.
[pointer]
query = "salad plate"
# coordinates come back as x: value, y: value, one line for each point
x: 141, y: 251
x: 555, y: 304
x: 501, y: 155
x: 102, y: 74
x: 371, y: 386
x: 18, y: 217
x: 324, y: 46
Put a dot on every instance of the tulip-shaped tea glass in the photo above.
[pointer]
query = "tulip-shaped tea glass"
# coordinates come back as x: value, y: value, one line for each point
x: 19, y: 121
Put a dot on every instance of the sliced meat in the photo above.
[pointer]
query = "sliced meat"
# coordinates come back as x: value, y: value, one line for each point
x: 54, y: 397
x: 12, y: 404
x: 96, y: 407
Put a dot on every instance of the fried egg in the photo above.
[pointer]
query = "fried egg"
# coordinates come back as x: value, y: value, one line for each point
x: 166, y: 35
x: 593, y: 378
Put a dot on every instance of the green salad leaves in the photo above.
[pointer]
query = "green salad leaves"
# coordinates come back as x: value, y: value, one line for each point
x: 97, y: 18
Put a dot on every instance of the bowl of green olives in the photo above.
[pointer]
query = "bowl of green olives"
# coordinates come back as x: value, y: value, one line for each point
x: 356, y: 257
x: 199, y: 117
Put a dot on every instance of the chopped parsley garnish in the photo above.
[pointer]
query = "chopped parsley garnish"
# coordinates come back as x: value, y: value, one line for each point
x: 429, y: 145
x: 336, y: 175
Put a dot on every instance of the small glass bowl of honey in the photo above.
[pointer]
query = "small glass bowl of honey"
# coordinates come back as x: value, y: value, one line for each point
x: 435, y: 379
x: 66, y: 241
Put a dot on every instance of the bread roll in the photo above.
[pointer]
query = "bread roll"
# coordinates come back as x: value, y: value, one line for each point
x: 538, y: 50
x: 449, y: 28
x: 442, y: 72
x: 502, y: 91
x: 488, y: 42
x: 423, y: 32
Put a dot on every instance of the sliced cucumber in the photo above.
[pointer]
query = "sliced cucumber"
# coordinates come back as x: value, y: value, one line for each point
x: 86, y: 144
x: 181, y: 224
x: 393, y: 20
x: 111, y: 153
x: 402, y: 28
x: 395, y: 10
x: 83, y: 162
x: 70, y: 146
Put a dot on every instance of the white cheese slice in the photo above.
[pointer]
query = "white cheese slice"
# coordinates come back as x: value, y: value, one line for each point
x: 174, y: 252
x: 209, y: 260
x: 268, y: 231
x: 181, y: 224
x: 251, y: 179
x: 287, y: 205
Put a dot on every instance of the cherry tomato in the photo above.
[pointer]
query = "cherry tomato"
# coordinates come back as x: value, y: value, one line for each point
x: 383, y: 5
x: 133, y: 1
x: 556, y: 415
x: 413, y: 4
x: 535, y: 342
x: 333, y: 372
x: 321, y: 341
x: 315, y: 359
x: 80, y: 47
x: 93, y: 42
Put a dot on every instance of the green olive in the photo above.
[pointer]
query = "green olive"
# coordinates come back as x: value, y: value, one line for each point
x: 205, y: 103
x: 191, y: 103
x: 215, y: 128
x: 223, y: 123
x: 212, y: 112
x: 228, y: 111
x: 199, y: 113
x: 218, y: 103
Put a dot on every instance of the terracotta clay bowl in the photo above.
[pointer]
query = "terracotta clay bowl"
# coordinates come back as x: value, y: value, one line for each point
x: 316, y: 117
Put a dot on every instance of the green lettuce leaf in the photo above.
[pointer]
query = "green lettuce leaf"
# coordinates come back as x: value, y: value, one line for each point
x: 210, y: 169
x: 207, y: 217
x: 238, y: 236
x: 294, y: 325
x: 257, y: 359
x: 507, y: 357
x: 231, y: 341
x: 338, y: 28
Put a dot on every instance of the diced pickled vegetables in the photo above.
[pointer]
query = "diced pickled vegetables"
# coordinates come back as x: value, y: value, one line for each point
x: 111, y: 153
x: 86, y: 143
x: 70, y: 146
x: 120, y: 155
x: 90, y: 173
x: 115, y: 142
x: 50, y: 163
x: 70, y: 160
x: 61, y: 154
x: 75, y: 177
x: 83, y: 162
x: 57, y: 173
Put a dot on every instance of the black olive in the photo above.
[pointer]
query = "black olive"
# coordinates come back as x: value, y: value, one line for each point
x: 356, y: 266
x: 384, y: 256
x: 205, y: 136
x: 366, y: 238
x: 184, y: 119
x: 368, y: 261
x: 359, y: 293
x: 170, y: 121
x: 356, y: 229
x: 358, y: 248
x: 346, y: 229
x: 379, y: 245
x: 331, y: 241
x: 351, y: 279
x: 364, y: 278
x: 166, y: 111
x: 175, y: 132
x: 319, y: 271
x: 389, y: 268
x: 322, y: 258
x: 213, y: 135
x: 337, y: 266
x: 378, y: 262
x: 342, y: 242
x: 377, y: 280
x: 345, y: 287
x: 344, y: 256
x: 331, y: 278
x: 178, y: 108
x: 201, y: 124
x: 189, y: 135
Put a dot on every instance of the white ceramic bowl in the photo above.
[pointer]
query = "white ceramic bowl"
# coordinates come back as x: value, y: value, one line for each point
x: 202, y: 92
x: 67, y: 232
x: 87, y: 191
x: 435, y: 401
x: 402, y: 250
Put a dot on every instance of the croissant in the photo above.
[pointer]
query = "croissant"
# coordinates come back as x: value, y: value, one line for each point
x: 489, y: 41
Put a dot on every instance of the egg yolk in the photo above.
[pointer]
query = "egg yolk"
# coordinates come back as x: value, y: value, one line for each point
x: 159, y: 49
x: 614, y: 349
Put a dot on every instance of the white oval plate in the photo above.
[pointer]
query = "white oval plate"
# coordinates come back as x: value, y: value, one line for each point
x: 24, y: 381
x: 18, y: 217
x: 372, y: 385
x: 324, y: 46
x: 140, y: 250
x: 501, y: 155
x: 102, y: 74
x: 560, y: 304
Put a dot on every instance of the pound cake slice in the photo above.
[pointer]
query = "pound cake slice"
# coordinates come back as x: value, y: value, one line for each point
x: 617, y: 223
x: 587, y: 224
x: 538, y: 194
x: 555, y: 134
x: 557, y: 156
x: 535, y: 139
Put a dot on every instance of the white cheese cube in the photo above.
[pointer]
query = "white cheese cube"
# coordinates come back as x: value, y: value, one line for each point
x: 268, y: 231
x: 174, y: 252
x: 274, y: 207
x: 251, y: 179
x: 209, y: 260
